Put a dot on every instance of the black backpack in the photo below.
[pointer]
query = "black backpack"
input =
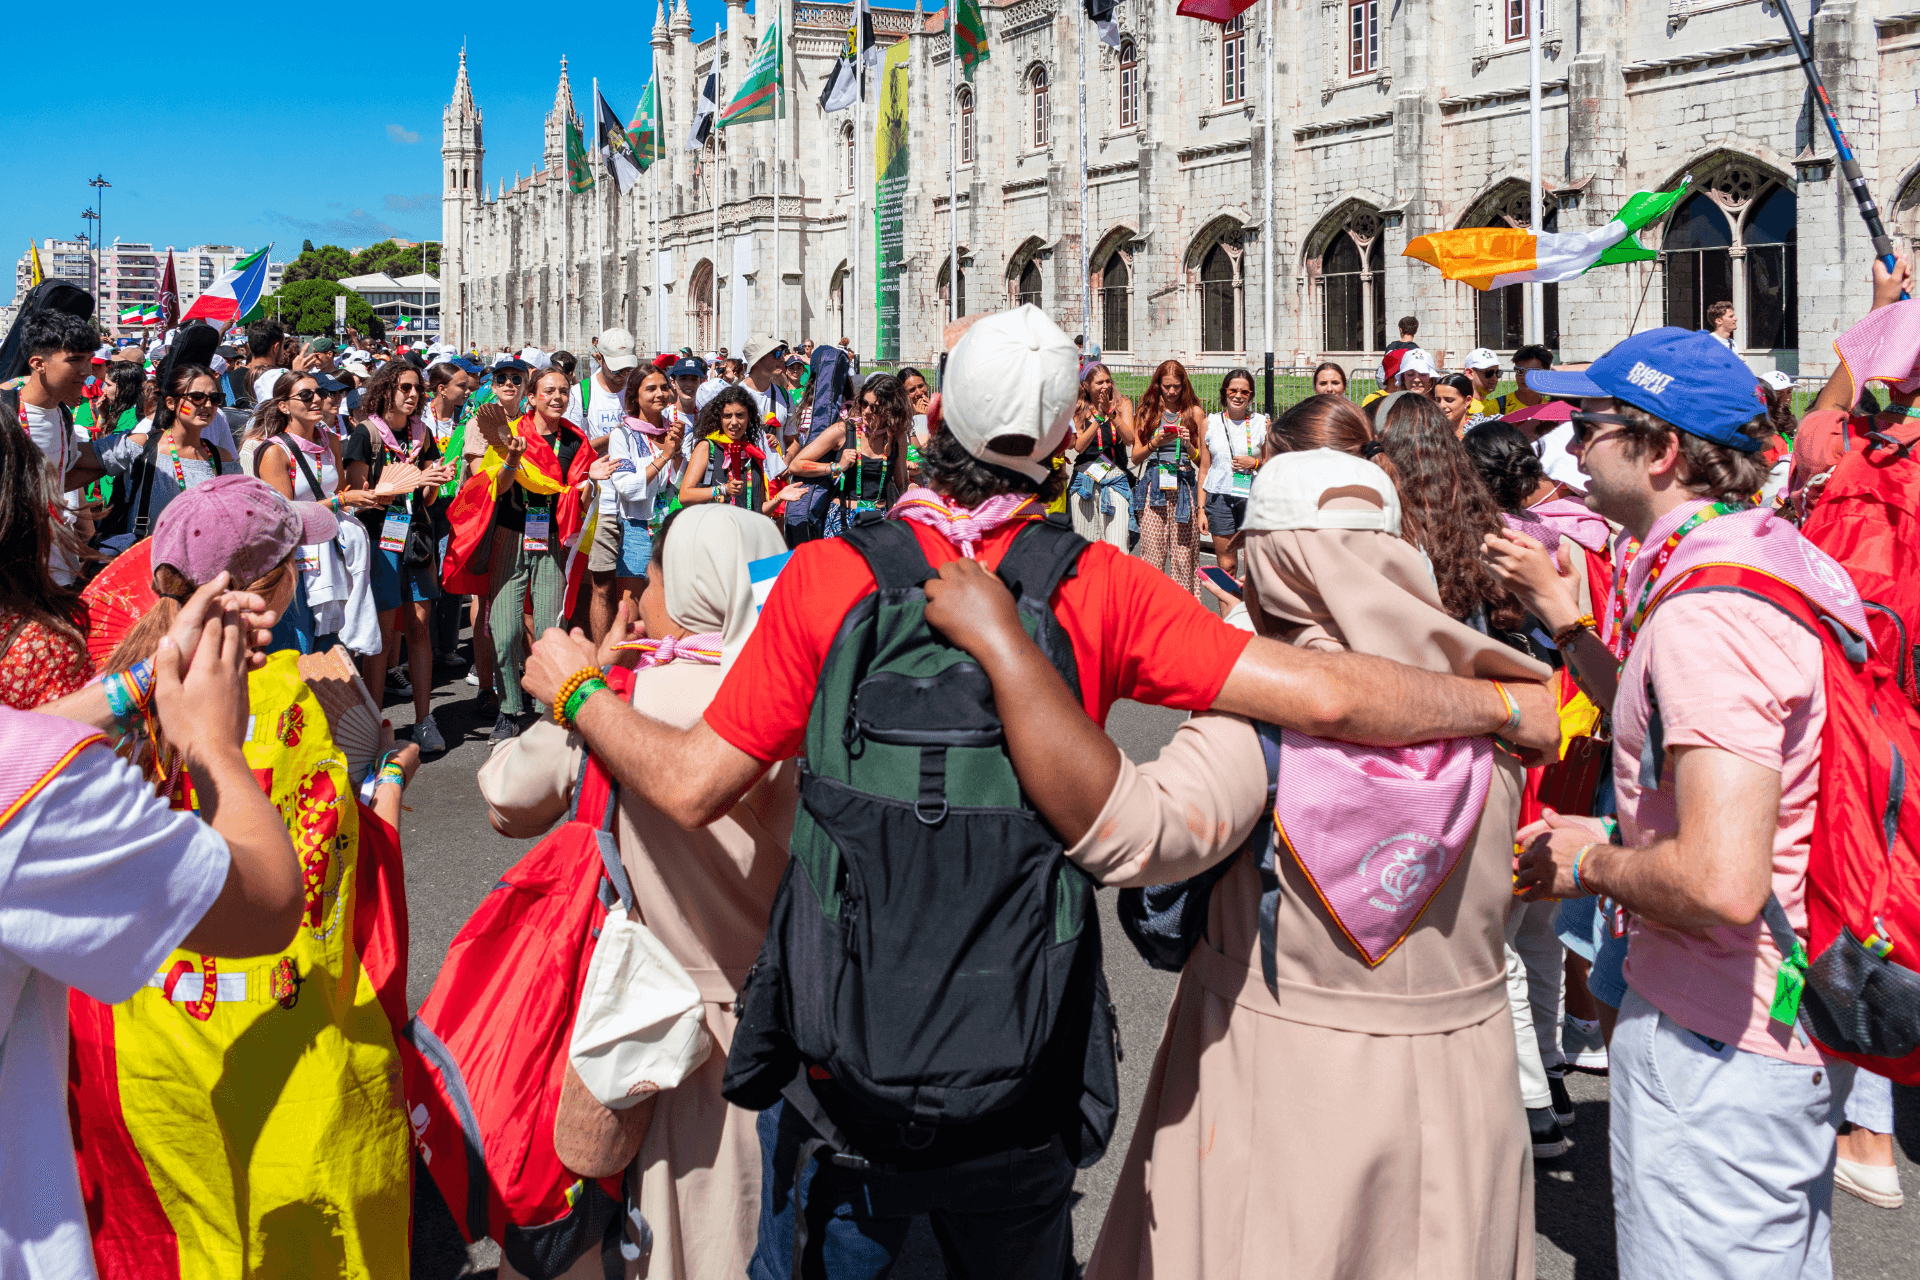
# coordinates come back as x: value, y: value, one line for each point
x: 931, y: 977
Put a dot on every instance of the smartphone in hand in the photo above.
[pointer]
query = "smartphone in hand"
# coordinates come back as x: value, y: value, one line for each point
x: 1223, y: 580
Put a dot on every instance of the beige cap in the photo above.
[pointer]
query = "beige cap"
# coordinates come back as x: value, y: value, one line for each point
x: 1012, y: 373
x: 1292, y: 489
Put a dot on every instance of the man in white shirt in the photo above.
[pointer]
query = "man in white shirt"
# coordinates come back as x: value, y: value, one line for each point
x: 60, y: 350
x: 596, y: 405
x: 100, y: 879
x: 765, y: 357
x: 1721, y: 322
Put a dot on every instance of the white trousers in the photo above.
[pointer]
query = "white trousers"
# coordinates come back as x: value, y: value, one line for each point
x: 1536, y: 970
x: 1722, y: 1159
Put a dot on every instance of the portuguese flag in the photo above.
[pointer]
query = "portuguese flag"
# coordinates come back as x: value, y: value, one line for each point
x: 760, y: 92
x: 1494, y: 257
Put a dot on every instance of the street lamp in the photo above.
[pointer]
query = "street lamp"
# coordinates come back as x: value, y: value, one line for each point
x: 99, y: 185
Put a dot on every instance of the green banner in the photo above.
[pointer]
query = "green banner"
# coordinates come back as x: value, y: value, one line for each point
x: 889, y: 202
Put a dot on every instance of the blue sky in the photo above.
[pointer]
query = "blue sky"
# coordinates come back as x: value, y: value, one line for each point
x: 282, y: 125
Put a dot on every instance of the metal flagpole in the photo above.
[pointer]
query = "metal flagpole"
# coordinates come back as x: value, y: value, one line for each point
x: 1268, y: 261
x: 566, y: 252
x: 953, y: 166
x: 1086, y: 250
x: 854, y: 237
x: 779, y: 178
x: 713, y: 137
x: 599, y: 231
x: 1536, y: 296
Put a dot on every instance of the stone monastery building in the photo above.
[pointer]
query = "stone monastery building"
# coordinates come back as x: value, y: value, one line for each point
x: 1389, y: 120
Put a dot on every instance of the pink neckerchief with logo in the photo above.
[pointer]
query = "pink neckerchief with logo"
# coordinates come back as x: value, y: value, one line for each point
x: 964, y: 526
x: 416, y: 432
x: 704, y: 649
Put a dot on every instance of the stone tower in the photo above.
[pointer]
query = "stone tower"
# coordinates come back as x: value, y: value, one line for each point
x: 462, y: 153
x: 558, y: 118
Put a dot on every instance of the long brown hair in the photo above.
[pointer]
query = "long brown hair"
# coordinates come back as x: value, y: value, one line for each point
x: 272, y: 418
x: 1150, y: 403
x: 1329, y: 422
x: 27, y: 537
x: 143, y: 641
x: 1446, y: 508
x: 890, y: 420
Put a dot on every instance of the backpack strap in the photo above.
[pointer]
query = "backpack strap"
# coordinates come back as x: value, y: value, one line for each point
x: 596, y: 801
x: 891, y: 551
x: 1263, y: 842
x: 1043, y: 555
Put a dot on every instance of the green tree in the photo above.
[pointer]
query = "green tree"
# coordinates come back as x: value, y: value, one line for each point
x: 328, y: 262
x: 306, y: 246
x: 306, y: 306
x: 396, y: 260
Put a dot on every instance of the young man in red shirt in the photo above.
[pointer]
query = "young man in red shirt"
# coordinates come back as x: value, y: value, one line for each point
x: 1010, y: 388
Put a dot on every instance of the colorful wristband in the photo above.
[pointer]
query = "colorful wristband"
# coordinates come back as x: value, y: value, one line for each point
x: 1513, y: 710
x: 563, y: 696
x: 1580, y: 855
x: 586, y: 690
x: 1585, y: 622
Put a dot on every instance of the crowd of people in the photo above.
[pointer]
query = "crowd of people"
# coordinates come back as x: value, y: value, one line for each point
x: 1505, y: 761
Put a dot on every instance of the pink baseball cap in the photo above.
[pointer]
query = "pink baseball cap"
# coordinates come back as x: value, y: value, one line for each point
x: 238, y: 524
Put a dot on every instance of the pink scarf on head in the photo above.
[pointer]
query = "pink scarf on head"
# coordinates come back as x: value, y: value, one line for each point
x: 703, y: 649
x: 965, y: 526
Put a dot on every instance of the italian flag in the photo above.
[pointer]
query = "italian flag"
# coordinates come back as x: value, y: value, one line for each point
x: 1494, y: 257
x: 761, y: 89
x: 234, y: 293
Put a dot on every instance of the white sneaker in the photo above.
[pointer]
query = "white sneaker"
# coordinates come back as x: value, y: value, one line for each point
x: 1877, y: 1184
x: 426, y: 736
x: 473, y: 678
x: 1585, y: 1048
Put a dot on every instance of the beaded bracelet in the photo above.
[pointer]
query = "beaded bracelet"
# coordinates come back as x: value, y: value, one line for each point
x: 567, y: 689
x: 587, y: 689
x: 1585, y: 622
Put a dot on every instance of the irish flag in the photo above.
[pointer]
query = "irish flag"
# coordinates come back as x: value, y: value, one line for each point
x: 1493, y: 257
x: 234, y: 293
x: 761, y: 89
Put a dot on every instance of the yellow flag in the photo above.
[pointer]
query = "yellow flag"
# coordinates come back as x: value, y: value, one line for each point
x: 33, y: 252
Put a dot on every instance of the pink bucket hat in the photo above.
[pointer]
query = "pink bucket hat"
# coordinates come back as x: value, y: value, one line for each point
x: 236, y: 523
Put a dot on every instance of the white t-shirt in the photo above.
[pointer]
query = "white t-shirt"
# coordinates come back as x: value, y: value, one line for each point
x: 58, y: 443
x: 99, y: 881
x: 1226, y: 438
x: 775, y: 399
x: 602, y: 414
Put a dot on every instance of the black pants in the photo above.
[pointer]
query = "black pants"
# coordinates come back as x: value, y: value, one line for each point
x: 1004, y: 1216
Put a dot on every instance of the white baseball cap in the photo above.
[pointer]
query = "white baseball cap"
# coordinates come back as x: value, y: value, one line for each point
x: 1778, y: 380
x: 535, y: 358
x: 1011, y: 374
x: 1481, y: 358
x: 616, y: 350
x: 1289, y: 489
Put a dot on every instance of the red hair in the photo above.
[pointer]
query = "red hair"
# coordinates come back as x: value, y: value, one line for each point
x: 1150, y: 405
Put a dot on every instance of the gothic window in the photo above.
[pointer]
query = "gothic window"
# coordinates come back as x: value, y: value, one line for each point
x: 966, y: 125
x: 1500, y: 314
x: 1698, y: 260
x: 700, y: 306
x: 1037, y: 86
x: 1363, y: 38
x: 955, y: 283
x: 1516, y: 19
x: 1233, y: 61
x: 1353, y: 286
x: 1129, y: 85
x: 847, y: 156
x: 452, y: 177
x: 1116, y: 280
x: 1028, y: 288
x: 463, y: 179
x: 1219, y: 290
x: 1773, y: 300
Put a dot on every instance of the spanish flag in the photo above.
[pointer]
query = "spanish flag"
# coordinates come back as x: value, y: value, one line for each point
x: 1494, y: 257
x: 468, y: 566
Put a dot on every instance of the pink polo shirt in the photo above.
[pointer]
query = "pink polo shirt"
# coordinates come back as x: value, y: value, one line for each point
x: 1737, y: 674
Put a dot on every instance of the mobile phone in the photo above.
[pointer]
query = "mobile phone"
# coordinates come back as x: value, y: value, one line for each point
x: 1223, y: 580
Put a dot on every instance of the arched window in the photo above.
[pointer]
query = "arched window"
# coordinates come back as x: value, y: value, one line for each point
x: 463, y: 179
x: 966, y: 125
x: 1233, y: 62
x: 846, y: 152
x: 1037, y: 85
x: 453, y: 178
x: 1129, y: 85
x: 1699, y: 264
x: 1219, y: 289
x: 700, y: 306
x: 955, y: 283
x: 1773, y: 297
x: 1353, y: 286
x: 1028, y: 288
x: 1500, y: 315
x: 1116, y: 280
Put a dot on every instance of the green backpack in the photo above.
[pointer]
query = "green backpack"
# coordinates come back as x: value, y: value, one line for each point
x: 932, y: 963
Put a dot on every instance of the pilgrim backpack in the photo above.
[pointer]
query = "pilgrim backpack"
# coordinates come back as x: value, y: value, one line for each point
x: 485, y: 1055
x: 932, y: 959
x: 1868, y: 518
x: 1859, y: 993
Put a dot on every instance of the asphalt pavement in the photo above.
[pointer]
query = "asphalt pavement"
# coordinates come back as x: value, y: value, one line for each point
x: 453, y: 857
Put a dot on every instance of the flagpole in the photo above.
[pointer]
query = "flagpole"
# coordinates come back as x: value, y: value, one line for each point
x: 854, y: 237
x: 566, y: 248
x: 779, y: 178
x: 1086, y: 250
x: 719, y: 96
x: 953, y: 167
x: 1536, y: 319
x: 599, y: 209
x: 1266, y: 218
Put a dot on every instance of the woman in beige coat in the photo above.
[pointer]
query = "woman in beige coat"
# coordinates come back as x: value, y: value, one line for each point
x: 705, y: 893
x: 1348, y: 1119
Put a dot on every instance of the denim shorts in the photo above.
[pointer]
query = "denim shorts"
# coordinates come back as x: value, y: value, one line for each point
x: 636, y: 547
x: 396, y: 582
x: 1587, y: 931
x: 1226, y: 512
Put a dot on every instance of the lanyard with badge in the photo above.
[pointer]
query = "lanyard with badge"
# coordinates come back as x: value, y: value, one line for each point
x: 393, y: 529
x: 1242, y: 480
x: 1101, y: 469
x: 1170, y: 475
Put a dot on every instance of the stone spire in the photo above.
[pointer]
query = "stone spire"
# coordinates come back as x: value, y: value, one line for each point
x: 559, y: 118
x: 462, y: 89
x: 659, y: 22
x: 681, y: 23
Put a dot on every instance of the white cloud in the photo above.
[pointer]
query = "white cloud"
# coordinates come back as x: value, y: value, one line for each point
x: 402, y: 134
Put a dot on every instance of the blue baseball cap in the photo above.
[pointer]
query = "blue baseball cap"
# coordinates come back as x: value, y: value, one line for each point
x: 465, y: 365
x: 688, y: 367
x: 1683, y: 376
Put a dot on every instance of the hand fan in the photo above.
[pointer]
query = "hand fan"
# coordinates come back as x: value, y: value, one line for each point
x: 399, y: 478
x: 352, y: 715
x: 494, y: 426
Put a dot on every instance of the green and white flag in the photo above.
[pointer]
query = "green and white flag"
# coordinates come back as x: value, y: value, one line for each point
x: 579, y: 170
x: 969, y: 35
x: 644, y: 132
x: 760, y: 92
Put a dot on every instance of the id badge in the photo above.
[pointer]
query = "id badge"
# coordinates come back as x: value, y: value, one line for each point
x: 1100, y: 472
x: 1243, y: 482
x: 1168, y: 480
x: 539, y: 527
x: 308, y: 558
x: 393, y: 531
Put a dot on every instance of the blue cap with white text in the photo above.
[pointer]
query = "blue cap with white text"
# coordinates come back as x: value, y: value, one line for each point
x: 1683, y: 376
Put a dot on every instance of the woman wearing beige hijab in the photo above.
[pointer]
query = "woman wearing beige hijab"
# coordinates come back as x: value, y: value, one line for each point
x: 1336, y: 1098
x: 705, y: 893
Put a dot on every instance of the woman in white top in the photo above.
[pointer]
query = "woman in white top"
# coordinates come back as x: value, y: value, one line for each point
x: 645, y: 452
x: 1236, y: 443
x: 156, y: 470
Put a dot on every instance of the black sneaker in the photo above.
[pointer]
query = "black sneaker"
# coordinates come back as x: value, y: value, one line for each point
x: 1548, y: 1140
x: 504, y: 727
x: 1562, y: 1107
x: 397, y: 683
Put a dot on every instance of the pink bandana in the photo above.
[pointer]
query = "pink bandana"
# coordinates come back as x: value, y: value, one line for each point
x: 644, y: 427
x: 414, y: 432
x: 1573, y: 519
x: 962, y: 526
x: 658, y: 653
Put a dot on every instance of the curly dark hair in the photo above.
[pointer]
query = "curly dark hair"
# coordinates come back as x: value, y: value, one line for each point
x: 1709, y: 470
x: 123, y: 380
x: 947, y: 468
x: 27, y: 495
x: 708, y: 423
x: 890, y: 419
x: 1445, y: 508
x: 1505, y: 461
x: 377, y: 397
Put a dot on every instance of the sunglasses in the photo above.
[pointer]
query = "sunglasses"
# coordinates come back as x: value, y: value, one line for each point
x: 201, y: 399
x: 1583, y: 424
x: 509, y: 379
x: 305, y: 397
x: 1241, y: 392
